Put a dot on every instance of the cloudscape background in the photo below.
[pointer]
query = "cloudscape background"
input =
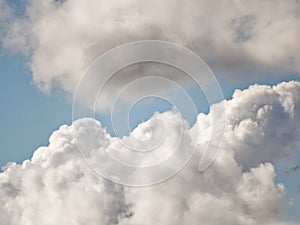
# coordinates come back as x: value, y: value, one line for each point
x: 252, y: 46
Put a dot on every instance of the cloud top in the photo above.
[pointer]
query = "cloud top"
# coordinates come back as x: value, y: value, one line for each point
x: 56, y: 187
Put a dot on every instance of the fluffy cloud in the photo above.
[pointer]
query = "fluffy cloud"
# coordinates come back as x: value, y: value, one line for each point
x: 242, y: 37
x: 263, y: 123
x: 56, y: 187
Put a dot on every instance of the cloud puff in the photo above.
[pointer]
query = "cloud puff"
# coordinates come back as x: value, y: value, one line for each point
x: 62, y: 38
x: 263, y: 123
x: 56, y: 187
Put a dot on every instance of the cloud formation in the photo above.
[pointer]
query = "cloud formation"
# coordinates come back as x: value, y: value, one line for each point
x: 56, y: 187
x: 61, y: 38
x: 292, y: 170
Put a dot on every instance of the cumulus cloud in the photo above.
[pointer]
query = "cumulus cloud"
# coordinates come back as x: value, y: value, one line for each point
x: 56, y: 187
x: 61, y: 38
x: 263, y: 123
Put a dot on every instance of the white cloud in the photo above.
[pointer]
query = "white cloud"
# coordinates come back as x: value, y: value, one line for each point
x: 57, y: 187
x: 263, y: 123
x: 63, y: 37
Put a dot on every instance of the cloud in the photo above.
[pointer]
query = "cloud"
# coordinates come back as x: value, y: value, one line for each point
x: 293, y: 170
x: 61, y: 38
x: 263, y: 123
x: 56, y: 187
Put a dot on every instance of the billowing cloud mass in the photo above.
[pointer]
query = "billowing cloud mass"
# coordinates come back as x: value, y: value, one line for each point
x: 262, y: 127
x: 61, y: 38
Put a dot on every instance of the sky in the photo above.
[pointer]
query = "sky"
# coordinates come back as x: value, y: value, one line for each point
x: 27, y: 116
x: 42, y: 62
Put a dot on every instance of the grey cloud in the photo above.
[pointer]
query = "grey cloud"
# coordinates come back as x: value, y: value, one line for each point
x: 62, y: 38
x: 293, y: 170
x: 56, y: 187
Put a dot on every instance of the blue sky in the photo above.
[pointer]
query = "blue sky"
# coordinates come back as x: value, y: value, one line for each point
x: 28, y: 116
x: 292, y: 184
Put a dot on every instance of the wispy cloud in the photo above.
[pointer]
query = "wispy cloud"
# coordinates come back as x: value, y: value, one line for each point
x: 293, y: 170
